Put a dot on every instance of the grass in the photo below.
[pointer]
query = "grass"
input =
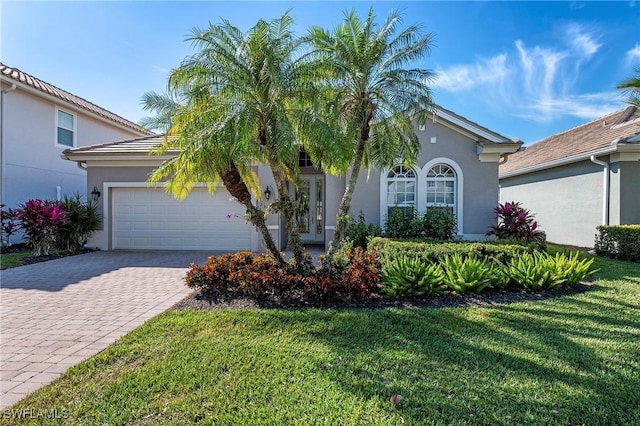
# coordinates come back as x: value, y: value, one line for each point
x: 11, y: 260
x: 570, y: 360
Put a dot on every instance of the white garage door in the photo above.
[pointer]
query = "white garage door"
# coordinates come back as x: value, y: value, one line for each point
x: 150, y: 219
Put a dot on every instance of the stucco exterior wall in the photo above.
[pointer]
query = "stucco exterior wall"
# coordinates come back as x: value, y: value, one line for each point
x: 32, y: 163
x: 630, y: 192
x: 478, y: 180
x: 567, y: 200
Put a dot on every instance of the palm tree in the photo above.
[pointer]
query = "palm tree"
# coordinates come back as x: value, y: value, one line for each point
x: 631, y: 87
x: 204, y: 153
x: 365, y: 67
x: 252, y: 91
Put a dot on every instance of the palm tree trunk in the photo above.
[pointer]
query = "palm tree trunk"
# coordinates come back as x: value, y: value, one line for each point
x: 288, y: 211
x: 342, y: 217
x: 238, y: 189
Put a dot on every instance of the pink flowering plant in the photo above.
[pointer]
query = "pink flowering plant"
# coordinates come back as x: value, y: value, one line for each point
x: 40, y: 221
x: 516, y: 223
x: 9, y: 224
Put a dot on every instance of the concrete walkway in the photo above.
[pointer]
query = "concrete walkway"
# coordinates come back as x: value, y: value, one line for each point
x: 57, y: 313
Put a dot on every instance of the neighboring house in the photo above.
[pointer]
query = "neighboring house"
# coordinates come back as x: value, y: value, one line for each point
x: 38, y: 122
x: 458, y: 167
x: 579, y: 179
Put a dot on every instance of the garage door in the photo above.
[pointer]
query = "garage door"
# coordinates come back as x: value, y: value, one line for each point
x: 150, y: 219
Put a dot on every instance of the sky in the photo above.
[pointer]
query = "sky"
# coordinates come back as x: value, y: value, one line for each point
x: 526, y: 70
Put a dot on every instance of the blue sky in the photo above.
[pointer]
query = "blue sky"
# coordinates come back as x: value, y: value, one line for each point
x: 524, y: 69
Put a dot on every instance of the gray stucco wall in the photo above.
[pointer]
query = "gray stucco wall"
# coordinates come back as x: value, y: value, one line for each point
x: 479, y: 180
x: 567, y: 200
x: 630, y: 192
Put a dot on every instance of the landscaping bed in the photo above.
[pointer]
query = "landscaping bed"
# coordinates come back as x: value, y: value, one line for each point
x: 20, y: 254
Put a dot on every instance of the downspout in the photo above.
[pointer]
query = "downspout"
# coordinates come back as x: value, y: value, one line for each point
x: 2, y: 168
x: 605, y: 189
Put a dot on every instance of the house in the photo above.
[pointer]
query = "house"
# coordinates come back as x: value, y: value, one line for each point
x: 38, y: 122
x: 458, y: 167
x: 579, y: 179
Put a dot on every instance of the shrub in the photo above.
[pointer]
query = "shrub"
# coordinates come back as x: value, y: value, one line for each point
x: 214, y: 276
x: 82, y: 221
x: 434, y: 252
x: 359, y: 232
x: 535, y: 271
x: 516, y: 222
x: 436, y: 223
x: 352, y: 276
x: 40, y: 220
x: 8, y: 224
x: 409, y: 277
x: 619, y: 242
x: 439, y: 223
x: 468, y: 275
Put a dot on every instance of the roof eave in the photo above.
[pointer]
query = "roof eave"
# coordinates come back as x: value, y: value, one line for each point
x: 612, y: 149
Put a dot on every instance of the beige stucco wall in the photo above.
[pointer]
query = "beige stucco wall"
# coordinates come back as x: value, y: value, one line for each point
x: 32, y: 163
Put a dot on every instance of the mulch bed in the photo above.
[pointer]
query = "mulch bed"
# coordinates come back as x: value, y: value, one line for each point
x: 42, y: 258
x: 203, y: 301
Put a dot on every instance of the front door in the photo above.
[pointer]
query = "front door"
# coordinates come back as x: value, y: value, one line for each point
x: 310, y: 199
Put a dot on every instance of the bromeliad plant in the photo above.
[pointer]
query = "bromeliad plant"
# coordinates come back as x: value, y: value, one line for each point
x: 40, y: 220
x: 410, y: 277
x: 468, y: 274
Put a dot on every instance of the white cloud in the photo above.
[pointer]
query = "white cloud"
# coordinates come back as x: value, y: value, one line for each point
x: 536, y: 82
x: 464, y: 77
x: 634, y: 53
x: 582, y: 42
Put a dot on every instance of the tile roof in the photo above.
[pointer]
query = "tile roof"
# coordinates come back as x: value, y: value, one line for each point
x: 140, y: 146
x: 24, y: 78
x: 604, y: 132
x: 498, y: 137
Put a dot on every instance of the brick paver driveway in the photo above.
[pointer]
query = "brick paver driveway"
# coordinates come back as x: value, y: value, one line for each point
x: 55, y: 314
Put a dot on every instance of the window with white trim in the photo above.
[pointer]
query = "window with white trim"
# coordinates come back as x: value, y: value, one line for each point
x: 66, y: 128
x: 442, y: 187
x: 401, y: 188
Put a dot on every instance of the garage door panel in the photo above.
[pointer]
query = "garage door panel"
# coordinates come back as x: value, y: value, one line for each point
x: 148, y: 218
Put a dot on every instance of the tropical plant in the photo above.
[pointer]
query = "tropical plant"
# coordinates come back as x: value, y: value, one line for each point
x: 469, y: 274
x: 535, y: 271
x: 410, y: 277
x: 359, y: 232
x: 240, y: 100
x: 514, y: 222
x: 8, y: 224
x: 40, y: 221
x: 631, y: 87
x: 82, y: 219
x: 439, y: 223
x: 378, y: 97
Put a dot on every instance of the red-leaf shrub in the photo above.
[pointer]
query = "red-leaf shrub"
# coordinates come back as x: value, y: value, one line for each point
x: 353, y: 276
x: 8, y: 223
x: 40, y: 221
x: 516, y: 223
x: 259, y: 277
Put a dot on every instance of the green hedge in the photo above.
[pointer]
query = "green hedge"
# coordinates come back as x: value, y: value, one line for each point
x: 388, y: 249
x: 619, y: 242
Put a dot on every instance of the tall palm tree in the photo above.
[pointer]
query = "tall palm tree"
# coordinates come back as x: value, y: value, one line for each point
x: 204, y: 153
x: 364, y: 65
x: 631, y: 87
x: 253, y: 91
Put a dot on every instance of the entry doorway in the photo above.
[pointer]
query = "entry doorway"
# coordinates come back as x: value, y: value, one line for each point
x: 310, y: 199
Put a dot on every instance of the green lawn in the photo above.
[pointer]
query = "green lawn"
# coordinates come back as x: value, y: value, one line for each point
x: 571, y: 360
x: 11, y: 260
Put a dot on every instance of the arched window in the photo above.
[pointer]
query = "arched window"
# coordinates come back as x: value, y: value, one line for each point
x: 401, y: 187
x: 442, y: 187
